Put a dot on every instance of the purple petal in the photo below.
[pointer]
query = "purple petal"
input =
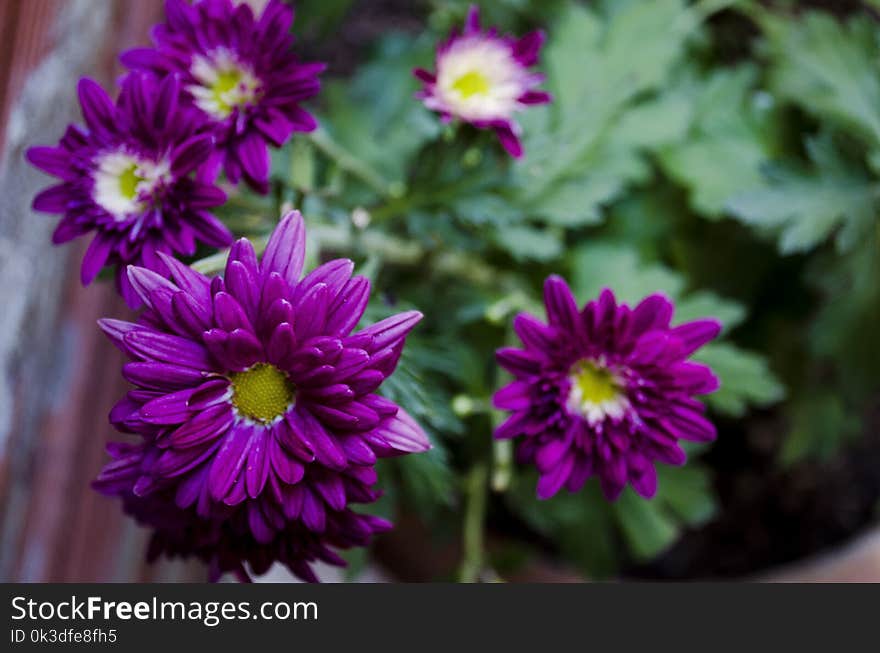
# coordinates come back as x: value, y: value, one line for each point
x: 165, y: 348
x: 392, y: 330
x: 190, y: 154
x: 52, y: 160
x: 550, y: 483
x: 53, y: 199
x: 204, y: 427
x: 696, y: 334
x: 348, y: 307
x: 258, y: 464
x: 509, y: 141
x: 562, y: 311
x: 286, y: 249
x: 254, y: 158
x: 403, y: 434
x: 97, y: 107
x: 229, y: 461
x: 161, y: 376
x: 96, y: 257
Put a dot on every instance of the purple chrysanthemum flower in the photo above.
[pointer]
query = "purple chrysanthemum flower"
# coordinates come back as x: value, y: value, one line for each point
x: 605, y: 391
x: 257, y: 405
x: 224, y: 540
x: 239, y: 71
x: 128, y: 176
x: 483, y: 78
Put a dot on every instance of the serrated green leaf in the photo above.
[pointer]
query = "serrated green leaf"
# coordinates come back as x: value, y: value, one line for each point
x: 374, y: 116
x: 486, y: 209
x: 427, y: 480
x: 829, y: 68
x: 599, y: 266
x: 529, y: 243
x: 727, y: 143
x: 657, y: 122
x: 577, y: 203
x: 805, y: 207
x: 647, y: 528
x: 580, y: 523
x: 745, y: 379
x: 702, y: 304
x: 687, y: 492
x: 596, y: 69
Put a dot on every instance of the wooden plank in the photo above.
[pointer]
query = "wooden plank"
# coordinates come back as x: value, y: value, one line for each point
x: 62, y: 374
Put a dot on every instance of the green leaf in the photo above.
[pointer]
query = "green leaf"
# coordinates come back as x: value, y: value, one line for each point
x: 598, y: 68
x: 687, y: 491
x: 374, y: 116
x: 426, y: 479
x: 577, y: 202
x: 653, y: 123
x: 805, y: 207
x: 703, y: 303
x: 648, y: 530
x: 684, y: 499
x: 727, y: 143
x: 619, y: 268
x: 529, y: 243
x: 820, y: 424
x: 581, y: 523
x: 745, y: 379
x: 484, y: 209
x: 828, y: 68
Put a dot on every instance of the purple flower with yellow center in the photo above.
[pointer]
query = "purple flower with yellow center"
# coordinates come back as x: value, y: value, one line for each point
x: 483, y: 78
x: 257, y: 401
x: 131, y: 177
x: 605, y: 391
x: 239, y: 72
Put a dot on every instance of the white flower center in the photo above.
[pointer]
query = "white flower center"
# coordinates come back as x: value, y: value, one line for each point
x: 124, y: 183
x: 224, y: 85
x: 257, y: 6
x: 596, y: 392
x: 478, y: 79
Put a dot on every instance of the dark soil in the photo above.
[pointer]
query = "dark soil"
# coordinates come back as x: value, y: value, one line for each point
x: 770, y: 515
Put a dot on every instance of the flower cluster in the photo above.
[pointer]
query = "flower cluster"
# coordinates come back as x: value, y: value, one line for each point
x: 239, y: 72
x: 605, y: 391
x: 256, y: 406
x: 254, y: 398
x: 483, y: 79
x: 218, y: 87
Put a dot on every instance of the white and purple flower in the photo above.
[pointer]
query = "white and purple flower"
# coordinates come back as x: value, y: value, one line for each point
x: 131, y: 176
x: 484, y: 79
x: 239, y: 71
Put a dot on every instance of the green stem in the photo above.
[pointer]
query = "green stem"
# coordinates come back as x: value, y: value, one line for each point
x: 502, y: 464
x: 475, y: 515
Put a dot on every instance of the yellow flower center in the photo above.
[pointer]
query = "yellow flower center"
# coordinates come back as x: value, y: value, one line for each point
x: 224, y: 84
x: 262, y: 392
x: 128, y: 182
x: 471, y: 83
x: 227, y: 80
x: 593, y: 384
